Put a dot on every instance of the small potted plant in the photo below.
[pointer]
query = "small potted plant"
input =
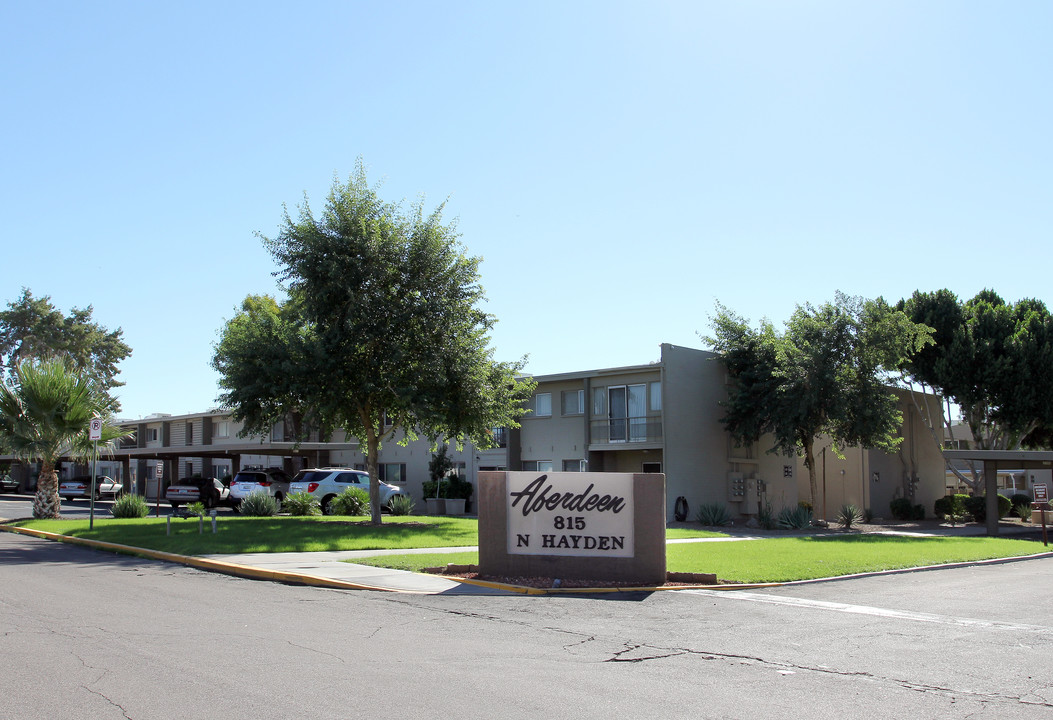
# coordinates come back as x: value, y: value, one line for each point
x: 458, y: 493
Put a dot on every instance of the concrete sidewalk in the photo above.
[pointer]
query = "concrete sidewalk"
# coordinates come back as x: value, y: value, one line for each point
x: 334, y: 566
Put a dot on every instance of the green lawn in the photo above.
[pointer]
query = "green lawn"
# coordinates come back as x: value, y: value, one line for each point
x: 273, y: 534
x: 284, y: 534
x: 785, y: 559
x: 751, y: 561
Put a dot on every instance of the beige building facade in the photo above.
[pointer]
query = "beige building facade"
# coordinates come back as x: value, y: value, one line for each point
x: 662, y: 417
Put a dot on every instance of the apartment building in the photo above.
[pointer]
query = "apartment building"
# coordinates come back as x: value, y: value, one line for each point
x: 659, y: 417
x: 665, y: 417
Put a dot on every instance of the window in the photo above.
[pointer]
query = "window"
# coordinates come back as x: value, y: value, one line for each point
x: 223, y: 429
x: 656, y: 396
x: 599, y: 402
x: 627, y: 413
x: 573, y: 466
x: 543, y: 405
x: 151, y: 434
x: 537, y: 466
x: 500, y: 436
x: 573, y: 402
x: 393, y: 473
x: 652, y: 467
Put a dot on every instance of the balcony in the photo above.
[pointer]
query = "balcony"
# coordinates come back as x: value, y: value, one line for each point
x: 620, y: 431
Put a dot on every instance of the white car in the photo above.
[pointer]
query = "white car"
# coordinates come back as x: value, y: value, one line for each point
x: 326, y: 483
x: 80, y: 487
x: 272, y: 481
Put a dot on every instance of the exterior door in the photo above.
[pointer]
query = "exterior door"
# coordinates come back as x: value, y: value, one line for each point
x: 617, y: 415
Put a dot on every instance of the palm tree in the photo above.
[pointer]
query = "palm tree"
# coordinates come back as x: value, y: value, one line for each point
x: 44, y: 416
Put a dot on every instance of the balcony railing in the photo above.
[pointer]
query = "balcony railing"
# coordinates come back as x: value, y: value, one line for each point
x: 616, y: 431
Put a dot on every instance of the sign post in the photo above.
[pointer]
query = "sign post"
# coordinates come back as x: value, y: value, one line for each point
x: 160, y: 472
x: 1042, y: 505
x: 94, y: 434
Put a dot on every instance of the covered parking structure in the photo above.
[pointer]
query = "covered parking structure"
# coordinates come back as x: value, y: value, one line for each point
x: 995, y: 460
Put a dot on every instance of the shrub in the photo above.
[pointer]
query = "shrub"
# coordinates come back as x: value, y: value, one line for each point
x: 259, y: 504
x: 457, y: 488
x: 795, y: 518
x: 901, y: 509
x: 849, y: 514
x: 1020, y: 499
x: 197, y: 508
x: 302, y: 504
x: 1023, y: 511
x: 942, y: 506
x: 868, y: 515
x: 977, y: 507
x: 953, y: 509
x: 401, y: 505
x: 917, y: 512
x: 130, y: 506
x: 714, y: 514
x: 352, y: 501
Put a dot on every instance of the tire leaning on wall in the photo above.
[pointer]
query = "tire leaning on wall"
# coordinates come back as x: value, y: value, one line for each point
x: 680, y: 509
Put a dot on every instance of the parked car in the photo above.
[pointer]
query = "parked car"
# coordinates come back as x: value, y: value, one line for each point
x: 8, y: 484
x: 210, y: 491
x: 327, y: 483
x: 80, y: 487
x: 272, y: 481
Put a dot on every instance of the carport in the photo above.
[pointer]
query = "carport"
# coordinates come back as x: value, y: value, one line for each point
x: 993, y: 460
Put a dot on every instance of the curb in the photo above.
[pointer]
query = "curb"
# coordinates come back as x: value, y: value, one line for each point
x: 218, y: 566
x: 290, y: 578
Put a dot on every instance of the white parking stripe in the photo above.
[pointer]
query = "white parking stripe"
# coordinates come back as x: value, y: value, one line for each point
x: 872, y: 611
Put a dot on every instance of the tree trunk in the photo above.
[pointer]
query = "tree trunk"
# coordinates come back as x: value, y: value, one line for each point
x: 809, y: 462
x: 372, y: 453
x: 47, y: 504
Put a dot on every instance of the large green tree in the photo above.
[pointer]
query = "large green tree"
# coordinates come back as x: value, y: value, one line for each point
x: 33, y: 327
x: 44, y: 417
x: 992, y: 359
x: 382, y: 333
x: 827, y: 374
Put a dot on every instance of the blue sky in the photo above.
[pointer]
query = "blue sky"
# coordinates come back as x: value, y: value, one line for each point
x: 620, y: 167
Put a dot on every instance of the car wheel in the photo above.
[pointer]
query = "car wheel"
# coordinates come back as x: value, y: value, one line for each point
x: 235, y: 506
x: 327, y: 504
x: 278, y: 499
x: 175, y: 506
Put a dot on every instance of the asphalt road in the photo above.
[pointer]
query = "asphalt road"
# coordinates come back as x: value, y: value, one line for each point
x: 88, y: 634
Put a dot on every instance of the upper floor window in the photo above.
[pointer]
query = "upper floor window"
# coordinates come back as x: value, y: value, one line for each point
x: 542, y: 405
x: 222, y: 429
x: 656, y: 396
x: 573, y: 402
x: 151, y: 434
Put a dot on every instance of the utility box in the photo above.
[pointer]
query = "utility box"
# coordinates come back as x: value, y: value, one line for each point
x: 736, y: 487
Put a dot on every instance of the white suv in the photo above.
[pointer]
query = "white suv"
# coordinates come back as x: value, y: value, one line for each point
x: 272, y: 481
x: 326, y: 483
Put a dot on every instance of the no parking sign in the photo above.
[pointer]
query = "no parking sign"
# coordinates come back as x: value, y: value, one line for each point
x: 95, y: 429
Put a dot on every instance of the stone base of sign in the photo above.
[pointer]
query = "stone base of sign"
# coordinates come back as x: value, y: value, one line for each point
x: 646, y: 567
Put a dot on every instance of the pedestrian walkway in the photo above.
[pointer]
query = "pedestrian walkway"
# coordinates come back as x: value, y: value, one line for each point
x: 334, y: 566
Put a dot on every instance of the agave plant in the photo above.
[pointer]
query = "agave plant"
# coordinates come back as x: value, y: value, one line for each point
x: 795, y: 518
x: 259, y: 504
x: 848, y: 515
x: 714, y: 514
